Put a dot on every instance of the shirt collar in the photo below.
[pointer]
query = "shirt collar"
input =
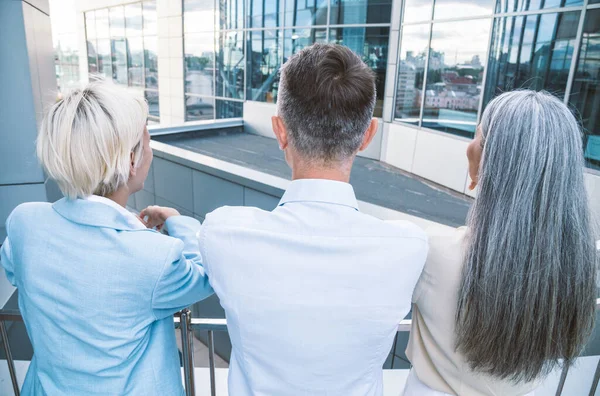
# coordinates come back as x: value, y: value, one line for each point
x: 320, y: 190
x: 130, y: 218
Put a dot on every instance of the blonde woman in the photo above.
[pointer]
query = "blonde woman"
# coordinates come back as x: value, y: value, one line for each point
x: 97, y: 288
x: 507, y: 299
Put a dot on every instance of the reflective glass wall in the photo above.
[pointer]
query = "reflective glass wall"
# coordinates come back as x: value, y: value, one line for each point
x: 66, y: 61
x: 65, y: 42
x: 455, y: 56
x: 214, y: 59
x: 234, y: 48
x: 122, y: 47
x: 442, y: 57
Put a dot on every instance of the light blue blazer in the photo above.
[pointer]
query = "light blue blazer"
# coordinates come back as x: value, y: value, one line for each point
x: 97, y: 296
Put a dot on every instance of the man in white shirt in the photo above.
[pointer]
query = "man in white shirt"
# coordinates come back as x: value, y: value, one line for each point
x: 314, y: 290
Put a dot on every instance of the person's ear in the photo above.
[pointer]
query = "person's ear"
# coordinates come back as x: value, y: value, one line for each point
x: 369, y: 134
x: 474, y: 155
x: 280, y: 132
x: 132, y: 168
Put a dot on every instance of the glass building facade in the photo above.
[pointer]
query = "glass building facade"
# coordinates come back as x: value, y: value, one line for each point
x: 122, y: 47
x: 234, y: 48
x: 452, y: 56
x: 455, y: 56
x: 66, y: 60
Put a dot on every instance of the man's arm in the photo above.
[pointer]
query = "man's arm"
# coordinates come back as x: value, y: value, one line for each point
x: 183, y: 280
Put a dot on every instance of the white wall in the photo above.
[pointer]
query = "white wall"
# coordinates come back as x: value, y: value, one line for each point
x: 593, y: 187
x: 399, y: 146
x: 257, y: 118
x: 434, y: 156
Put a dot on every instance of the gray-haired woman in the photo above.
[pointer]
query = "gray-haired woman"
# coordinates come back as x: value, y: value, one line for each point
x: 507, y: 299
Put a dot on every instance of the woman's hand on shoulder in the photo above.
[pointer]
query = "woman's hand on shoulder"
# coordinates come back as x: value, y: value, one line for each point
x: 155, y: 216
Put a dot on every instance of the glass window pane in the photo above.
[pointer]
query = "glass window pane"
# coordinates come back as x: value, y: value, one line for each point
x: 69, y: 77
x: 231, y: 14
x: 230, y: 65
x: 446, y: 9
x: 229, y: 109
x: 149, y: 14
x: 67, y: 61
x: 411, y: 72
x: 265, y: 13
x: 117, y: 22
x: 417, y: 10
x: 305, y: 13
x: 200, y: 63
x: 135, y: 61
x: 91, y: 54
x: 585, y: 96
x: 371, y: 44
x: 533, y: 51
x: 66, y: 48
x: 296, y: 39
x: 454, y: 76
x: 263, y: 65
x: 151, y: 62
x: 90, y: 25
x: 198, y: 16
x: 360, y: 11
x: 104, y: 60
x: 153, y: 108
x: 532, y: 5
x: 197, y: 108
x: 133, y: 19
x: 102, y: 23
x: 119, y: 60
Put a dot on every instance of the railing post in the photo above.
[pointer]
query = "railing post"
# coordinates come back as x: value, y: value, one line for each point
x: 595, y: 381
x: 9, y: 359
x: 561, y: 382
x: 211, y: 362
x: 187, y: 350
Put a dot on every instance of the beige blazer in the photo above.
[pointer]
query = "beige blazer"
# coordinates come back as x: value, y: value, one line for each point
x: 431, y: 344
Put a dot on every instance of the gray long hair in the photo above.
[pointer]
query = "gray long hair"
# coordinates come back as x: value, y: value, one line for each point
x: 527, y: 297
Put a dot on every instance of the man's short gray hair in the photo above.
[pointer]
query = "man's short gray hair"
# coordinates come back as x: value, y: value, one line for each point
x: 326, y: 101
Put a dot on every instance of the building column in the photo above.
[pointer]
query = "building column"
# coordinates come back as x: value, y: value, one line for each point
x: 391, y: 75
x: 170, y: 62
x: 28, y: 80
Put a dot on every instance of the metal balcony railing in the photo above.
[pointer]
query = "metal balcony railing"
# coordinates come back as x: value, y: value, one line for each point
x: 187, y: 325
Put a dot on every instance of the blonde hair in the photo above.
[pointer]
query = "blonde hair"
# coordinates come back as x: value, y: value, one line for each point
x: 87, y: 138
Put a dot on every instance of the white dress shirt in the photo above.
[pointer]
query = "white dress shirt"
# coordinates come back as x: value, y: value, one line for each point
x: 313, y: 291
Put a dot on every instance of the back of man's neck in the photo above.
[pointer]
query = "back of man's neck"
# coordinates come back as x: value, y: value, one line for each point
x: 342, y: 175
